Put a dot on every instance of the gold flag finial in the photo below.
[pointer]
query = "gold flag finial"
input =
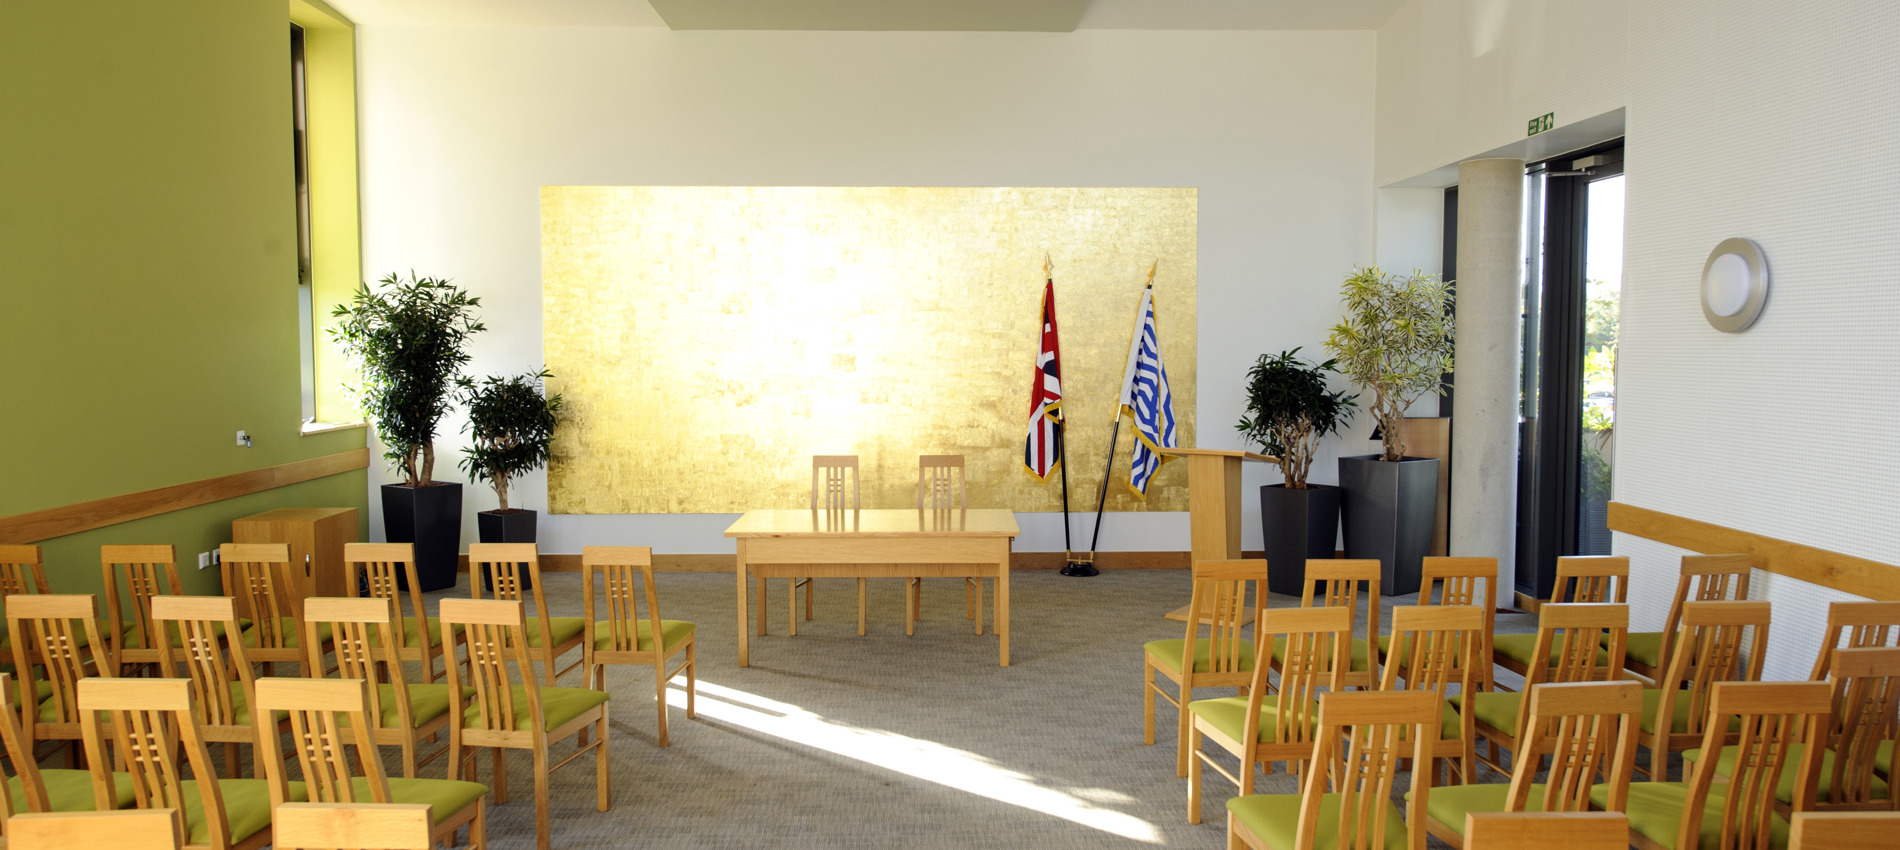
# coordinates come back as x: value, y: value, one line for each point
x: 1151, y: 273
x: 1048, y: 268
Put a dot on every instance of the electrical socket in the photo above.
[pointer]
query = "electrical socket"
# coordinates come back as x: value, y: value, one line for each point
x: 217, y: 557
x: 243, y: 440
x: 204, y: 560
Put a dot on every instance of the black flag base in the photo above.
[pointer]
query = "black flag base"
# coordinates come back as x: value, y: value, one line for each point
x: 1080, y: 568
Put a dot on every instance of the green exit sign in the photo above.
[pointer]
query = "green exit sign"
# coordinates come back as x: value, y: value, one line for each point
x: 1541, y: 123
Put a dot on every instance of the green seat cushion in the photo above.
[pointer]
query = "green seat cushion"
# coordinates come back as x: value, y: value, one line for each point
x: 1655, y: 810
x: 1883, y: 759
x: 561, y: 629
x: 558, y: 706
x: 1643, y: 647
x: 1449, y: 804
x: 1679, y: 721
x: 671, y: 633
x: 446, y: 796
x: 1167, y: 654
x: 1361, y: 653
x: 1518, y: 648
x: 69, y: 790
x: 412, y: 633
x: 426, y: 703
x: 1229, y: 715
x: 246, y: 807
x: 134, y: 640
x: 292, y: 635
x: 1497, y: 709
x: 1276, y: 819
x: 1784, y: 785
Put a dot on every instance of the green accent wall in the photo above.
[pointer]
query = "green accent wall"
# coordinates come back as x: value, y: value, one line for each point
x: 148, y: 269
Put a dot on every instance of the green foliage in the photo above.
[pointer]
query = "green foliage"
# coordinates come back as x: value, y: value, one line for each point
x: 408, y: 342
x: 1395, y: 340
x: 1289, y: 409
x: 513, y: 427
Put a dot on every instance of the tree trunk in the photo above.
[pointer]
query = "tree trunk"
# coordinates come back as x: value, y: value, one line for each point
x: 428, y: 464
x: 501, y: 491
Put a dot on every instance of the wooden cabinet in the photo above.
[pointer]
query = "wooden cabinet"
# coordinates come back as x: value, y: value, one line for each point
x: 318, y: 533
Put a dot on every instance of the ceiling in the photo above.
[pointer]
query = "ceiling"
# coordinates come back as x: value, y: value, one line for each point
x: 884, y: 15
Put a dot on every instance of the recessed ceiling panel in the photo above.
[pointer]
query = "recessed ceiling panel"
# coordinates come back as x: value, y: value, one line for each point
x: 904, y: 15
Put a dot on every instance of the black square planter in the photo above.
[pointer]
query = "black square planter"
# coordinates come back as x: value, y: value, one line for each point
x: 431, y: 518
x: 1387, y: 513
x: 512, y: 526
x: 1297, y: 525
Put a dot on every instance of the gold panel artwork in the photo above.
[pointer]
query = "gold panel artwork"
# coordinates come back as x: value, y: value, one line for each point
x: 710, y: 340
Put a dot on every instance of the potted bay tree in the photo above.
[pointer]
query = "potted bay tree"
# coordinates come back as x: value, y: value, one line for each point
x: 1396, y: 342
x: 1289, y: 409
x: 408, y: 341
x: 511, y: 423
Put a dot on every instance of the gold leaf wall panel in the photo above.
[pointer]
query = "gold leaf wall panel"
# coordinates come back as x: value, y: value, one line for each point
x: 709, y: 340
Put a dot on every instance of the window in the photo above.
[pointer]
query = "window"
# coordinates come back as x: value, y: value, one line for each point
x: 306, y: 289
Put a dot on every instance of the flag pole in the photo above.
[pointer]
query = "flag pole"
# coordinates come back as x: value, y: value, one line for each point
x: 1062, y: 452
x: 1114, y: 434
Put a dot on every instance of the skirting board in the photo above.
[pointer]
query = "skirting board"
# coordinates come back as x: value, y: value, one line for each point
x: 1846, y: 573
x: 570, y: 563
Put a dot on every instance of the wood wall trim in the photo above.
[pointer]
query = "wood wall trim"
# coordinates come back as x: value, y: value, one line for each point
x: 99, y: 513
x: 1846, y: 573
x: 570, y: 563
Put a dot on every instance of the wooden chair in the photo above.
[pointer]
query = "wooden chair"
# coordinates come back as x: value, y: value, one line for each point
x: 223, y: 687
x: 1222, y: 659
x: 1704, y: 578
x: 146, y: 571
x: 1709, y: 651
x: 1538, y: 830
x: 327, y: 714
x: 21, y: 571
x: 1336, y: 583
x: 148, y: 722
x: 401, y: 714
x: 830, y: 492
x: 259, y: 577
x: 1580, y: 579
x: 353, y: 826
x: 58, y: 636
x: 1440, y: 646
x: 1853, y: 625
x: 383, y: 570
x: 510, y: 716
x: 1361, y: 740
x: 1260, y: 729
x: 549, y: 638
x: 1842, y: 830
x: 940, y: 488
x: 1767, y: 720
x: 1589, y: 731
x: 150, y: 829
x: 1458, y: 581
x: 622, y: 636
x: 1570, y: 635
x: 44, y: 790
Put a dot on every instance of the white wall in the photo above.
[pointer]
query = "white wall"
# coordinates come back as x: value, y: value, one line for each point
x: 460, y: 128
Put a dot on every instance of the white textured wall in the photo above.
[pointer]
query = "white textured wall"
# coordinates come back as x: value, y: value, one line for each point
x: 460, y: 128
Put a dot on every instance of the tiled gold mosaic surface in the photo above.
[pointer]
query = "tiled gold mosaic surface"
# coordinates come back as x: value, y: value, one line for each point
x: 709, y: 340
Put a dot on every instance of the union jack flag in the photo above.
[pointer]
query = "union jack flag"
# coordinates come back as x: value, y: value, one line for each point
x: 1146, y: 398
x: 1043, y: 452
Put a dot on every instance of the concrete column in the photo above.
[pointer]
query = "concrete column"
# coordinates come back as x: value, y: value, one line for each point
x: 1485, y: 374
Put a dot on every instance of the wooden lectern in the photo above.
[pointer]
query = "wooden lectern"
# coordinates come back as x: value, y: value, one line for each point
x: 1213, y: 505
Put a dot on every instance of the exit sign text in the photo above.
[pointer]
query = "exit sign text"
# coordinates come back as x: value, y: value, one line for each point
x: 1541, y: 123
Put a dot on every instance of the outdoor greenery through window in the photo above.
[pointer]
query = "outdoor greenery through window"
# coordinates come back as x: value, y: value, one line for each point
x: 1603, y: 288
x: 306, y: 288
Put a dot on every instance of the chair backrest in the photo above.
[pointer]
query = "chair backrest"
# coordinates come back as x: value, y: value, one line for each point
x: 627, y: 573
x: 384, y: 570
x: 59, y: 634
x: 1219, y: 603
x: 1362, y: 737
x: 148, y: 722
x: 318, y: 709
x: 150, y: 829
x: 32, y: 787
x: 1316, y: 659
x: 1537, y: 830
x: 496, y: 638
x: 1580, y: 634
x: 940, y: 483
x: 1711, y: 650
x: 1337, y: 582
x: 366, y: 632
x: 1866, y: 698
x: 828, y: 482
x: 257, y: 576
x: 1704, y: 578
x: 1841, y: 830
x: 1465, y: 581
x: 204, y: 622
x: 1772, y: 718
x: 21, y: 570
x: 513, y: 572
x: 1592, y: 578
x: 146, y: 570
x: 352, y: 826
x: 1856, y: 624
x: 1589, y: 730
x: 1437, y: 646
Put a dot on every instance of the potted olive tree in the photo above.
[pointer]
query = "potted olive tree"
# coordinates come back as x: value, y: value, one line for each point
x: 408, y: 342
x: 512, y: 425
x: 1289, y: 409
x: 1396, y: 342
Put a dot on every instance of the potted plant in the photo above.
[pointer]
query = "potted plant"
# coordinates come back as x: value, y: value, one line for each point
x: 1395, y: 341
x: 408, y: 342
x: 1289, y: 409
x: 512, y: 425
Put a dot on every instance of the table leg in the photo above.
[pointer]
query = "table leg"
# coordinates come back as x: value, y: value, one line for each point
x: 744, y: 659
x: 1002, y: 607
x: 760, y: 583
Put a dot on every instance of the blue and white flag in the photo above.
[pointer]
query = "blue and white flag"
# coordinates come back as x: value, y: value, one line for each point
x: 1146, y: 398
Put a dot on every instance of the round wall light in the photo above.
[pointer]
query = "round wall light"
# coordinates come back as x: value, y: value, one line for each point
x: 1734, y: 285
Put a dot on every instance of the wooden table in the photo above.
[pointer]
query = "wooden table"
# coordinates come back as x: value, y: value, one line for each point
x: 898, y: 543
x: 1214, y: 506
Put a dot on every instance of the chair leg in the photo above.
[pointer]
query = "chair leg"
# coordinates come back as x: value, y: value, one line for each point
x: 1181, y: 739
x: 810, y: 585
x: 1147, y: 703
x: 973, y: 595
x: 659, y: 681
x: 692, y: 676
x: 791, y: 602
x: 478, y: 830
x: 501, y: 774
x: 541, y: 826
x: 231, y: 761
x: 969, y: 597
x: 910, y: 609
x: 409, y: 757
x: 603, y: 778
x: 1194, y: 778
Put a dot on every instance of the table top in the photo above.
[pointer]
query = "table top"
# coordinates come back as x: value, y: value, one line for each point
x: 975, y: 522
x: 1243, y: 455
